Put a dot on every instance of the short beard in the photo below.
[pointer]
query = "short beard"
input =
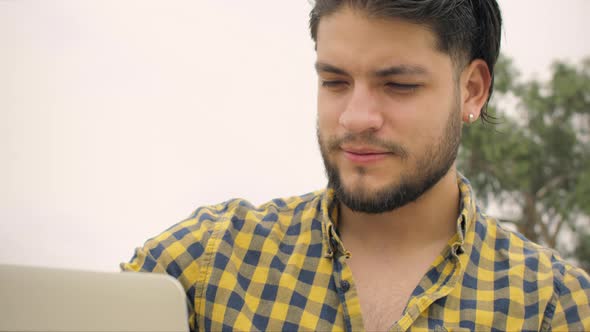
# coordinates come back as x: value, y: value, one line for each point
x: 430, y: 168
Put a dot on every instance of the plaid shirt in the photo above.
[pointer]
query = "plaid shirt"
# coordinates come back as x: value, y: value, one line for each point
x: 282, y: 266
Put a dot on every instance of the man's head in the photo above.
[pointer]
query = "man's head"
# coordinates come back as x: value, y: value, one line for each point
x: 396, y: 78
x: 464, y: 29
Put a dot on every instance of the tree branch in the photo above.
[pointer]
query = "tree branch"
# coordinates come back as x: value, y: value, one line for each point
x: 550, y: 185
x: 556, y: 232
x: 545, y: 233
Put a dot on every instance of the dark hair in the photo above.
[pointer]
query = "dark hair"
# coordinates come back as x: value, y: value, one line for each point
x: 465, y: 29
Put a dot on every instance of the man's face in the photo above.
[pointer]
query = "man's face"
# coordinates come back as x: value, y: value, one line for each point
x: 389, y: 117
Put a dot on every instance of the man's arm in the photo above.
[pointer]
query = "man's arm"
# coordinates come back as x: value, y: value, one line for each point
x: 178, y: 252
x: 571, y: 310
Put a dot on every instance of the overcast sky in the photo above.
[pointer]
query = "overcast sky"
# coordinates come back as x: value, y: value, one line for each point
x: 118, y: 118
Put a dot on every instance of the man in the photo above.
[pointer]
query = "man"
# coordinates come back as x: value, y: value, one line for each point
x: 396, y: 241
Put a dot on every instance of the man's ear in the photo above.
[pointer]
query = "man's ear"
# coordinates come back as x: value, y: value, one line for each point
x: 475, y: 89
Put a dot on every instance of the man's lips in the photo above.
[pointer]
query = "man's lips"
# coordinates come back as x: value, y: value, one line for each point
x: 364, y: 154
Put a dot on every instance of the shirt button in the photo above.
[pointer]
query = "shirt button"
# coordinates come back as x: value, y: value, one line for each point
x: 345, y: 285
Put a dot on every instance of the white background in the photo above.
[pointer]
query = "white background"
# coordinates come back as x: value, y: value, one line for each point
x: 118, y: 118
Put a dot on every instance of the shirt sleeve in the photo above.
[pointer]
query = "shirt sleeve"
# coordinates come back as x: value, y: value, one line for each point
x: 180, y: 252
x: 572, y: 305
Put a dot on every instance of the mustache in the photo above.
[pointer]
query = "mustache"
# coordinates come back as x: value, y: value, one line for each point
x: 369, y: 139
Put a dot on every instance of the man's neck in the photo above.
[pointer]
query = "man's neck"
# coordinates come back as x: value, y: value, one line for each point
x: 430, y: 220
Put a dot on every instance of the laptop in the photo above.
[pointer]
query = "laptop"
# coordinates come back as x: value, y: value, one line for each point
x: 49, y: 299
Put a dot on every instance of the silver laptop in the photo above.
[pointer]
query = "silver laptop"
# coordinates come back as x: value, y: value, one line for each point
x: 47, y: 299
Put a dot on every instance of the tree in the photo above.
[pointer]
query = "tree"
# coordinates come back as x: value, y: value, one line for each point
x: 534, y: 159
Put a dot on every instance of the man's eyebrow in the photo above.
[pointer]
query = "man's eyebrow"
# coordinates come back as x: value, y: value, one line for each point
x: 326, y: 68
x: 390, y: 71
x: 402, y: 70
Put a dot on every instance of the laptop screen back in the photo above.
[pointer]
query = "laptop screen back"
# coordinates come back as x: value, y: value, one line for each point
x: 47, y: 299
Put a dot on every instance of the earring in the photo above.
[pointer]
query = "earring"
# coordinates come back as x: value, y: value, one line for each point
x: 471, y: 118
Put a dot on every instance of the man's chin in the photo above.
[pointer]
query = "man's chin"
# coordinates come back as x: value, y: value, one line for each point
x: 368, y: 200
x: 369, y: 191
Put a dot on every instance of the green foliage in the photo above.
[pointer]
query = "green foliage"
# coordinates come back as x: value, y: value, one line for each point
x: 535, y: 157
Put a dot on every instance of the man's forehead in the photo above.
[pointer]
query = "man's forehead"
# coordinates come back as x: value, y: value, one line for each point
x: 354, y: 20
x: 347, y: 37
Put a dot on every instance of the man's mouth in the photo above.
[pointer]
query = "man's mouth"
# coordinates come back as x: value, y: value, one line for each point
x: 364, y: 155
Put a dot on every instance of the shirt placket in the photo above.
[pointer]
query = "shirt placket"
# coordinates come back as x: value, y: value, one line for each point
x: 443, y: 286
x: 345, y: 286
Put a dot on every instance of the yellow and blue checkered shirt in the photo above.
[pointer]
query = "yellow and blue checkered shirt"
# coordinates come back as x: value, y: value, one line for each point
x: 282, y: 267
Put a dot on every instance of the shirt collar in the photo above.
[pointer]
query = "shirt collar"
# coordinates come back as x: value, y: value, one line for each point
x: 467, y: 217
x: 329, y: 212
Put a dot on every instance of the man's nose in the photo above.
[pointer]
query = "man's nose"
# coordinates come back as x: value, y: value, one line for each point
x: 362, y: 112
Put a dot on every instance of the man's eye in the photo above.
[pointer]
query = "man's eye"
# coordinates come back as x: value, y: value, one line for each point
x: 333, y: 84
x: 402, y: 87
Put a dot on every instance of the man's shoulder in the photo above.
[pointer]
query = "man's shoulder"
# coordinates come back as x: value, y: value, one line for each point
x: 511, y: 251
x: 241, y: 209
x: 188, y: 240
x: 238, y: 213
